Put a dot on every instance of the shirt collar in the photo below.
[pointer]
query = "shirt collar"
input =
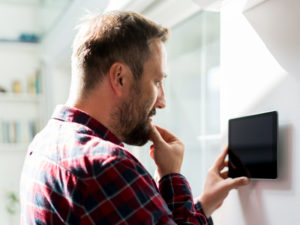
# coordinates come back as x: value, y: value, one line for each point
x: 69, y: 114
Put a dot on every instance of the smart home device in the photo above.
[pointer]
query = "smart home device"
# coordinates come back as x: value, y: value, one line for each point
x: 253, y: 146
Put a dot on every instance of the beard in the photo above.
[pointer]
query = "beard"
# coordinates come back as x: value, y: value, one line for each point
x: 131, y: 121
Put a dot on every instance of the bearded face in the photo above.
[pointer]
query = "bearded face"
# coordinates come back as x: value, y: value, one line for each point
x: 132, y: 118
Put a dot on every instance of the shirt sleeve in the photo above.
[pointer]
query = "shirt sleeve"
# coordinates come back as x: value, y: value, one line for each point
x: 124, y: 193
x: 176, y: 192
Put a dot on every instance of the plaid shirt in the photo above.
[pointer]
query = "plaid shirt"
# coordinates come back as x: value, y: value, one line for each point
x: 77, y: 172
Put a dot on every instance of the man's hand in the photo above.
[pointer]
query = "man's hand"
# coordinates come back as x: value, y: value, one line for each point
x: 166, y: 151
x: 218, y: 185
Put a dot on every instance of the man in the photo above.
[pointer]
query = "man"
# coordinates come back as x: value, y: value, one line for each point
x: 77, y: 170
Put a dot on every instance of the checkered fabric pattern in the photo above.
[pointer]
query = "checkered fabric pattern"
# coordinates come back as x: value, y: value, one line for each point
x: 77, y: 172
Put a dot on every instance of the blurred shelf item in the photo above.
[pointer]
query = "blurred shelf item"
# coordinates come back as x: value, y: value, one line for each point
x: 17, y: 131
x: 23, y: 38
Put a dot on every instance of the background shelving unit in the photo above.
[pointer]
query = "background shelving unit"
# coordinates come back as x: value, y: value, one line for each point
x: 20, y: 113
x: 19, y: 61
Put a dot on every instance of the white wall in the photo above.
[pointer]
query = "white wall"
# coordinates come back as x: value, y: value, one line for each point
x: 254, y: 45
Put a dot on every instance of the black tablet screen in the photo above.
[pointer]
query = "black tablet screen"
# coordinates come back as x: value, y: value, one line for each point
x: 253, y: 146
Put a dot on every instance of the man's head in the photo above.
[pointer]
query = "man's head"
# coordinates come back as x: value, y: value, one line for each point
x: 128, y: 49
x: 112, y: 37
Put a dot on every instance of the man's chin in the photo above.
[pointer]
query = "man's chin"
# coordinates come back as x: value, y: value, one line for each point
x: 139, y: 136
x: 139, y: 142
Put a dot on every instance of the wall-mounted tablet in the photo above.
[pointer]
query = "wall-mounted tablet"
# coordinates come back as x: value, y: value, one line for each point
x: 253, y: 146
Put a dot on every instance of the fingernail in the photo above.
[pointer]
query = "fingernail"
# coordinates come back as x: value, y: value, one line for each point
x: 246, y: 181
x: 152, y: 147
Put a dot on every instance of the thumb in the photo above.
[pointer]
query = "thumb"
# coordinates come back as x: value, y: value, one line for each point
x: 237, y: 182
x: 155, y: 136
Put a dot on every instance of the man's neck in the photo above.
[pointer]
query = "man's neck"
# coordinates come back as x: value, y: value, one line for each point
x: 98, y: 104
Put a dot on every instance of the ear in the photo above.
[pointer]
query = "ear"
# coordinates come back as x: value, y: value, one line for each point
x: 120, y: 77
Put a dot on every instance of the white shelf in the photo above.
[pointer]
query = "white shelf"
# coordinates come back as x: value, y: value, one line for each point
x: 18, y: 45
x: 19, y: 98
x: 13, y: 147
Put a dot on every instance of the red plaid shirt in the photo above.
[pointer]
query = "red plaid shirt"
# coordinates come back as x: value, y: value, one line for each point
x: 77, y: 172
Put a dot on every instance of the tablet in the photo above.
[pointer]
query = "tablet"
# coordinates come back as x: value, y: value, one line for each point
x: 253, y: 146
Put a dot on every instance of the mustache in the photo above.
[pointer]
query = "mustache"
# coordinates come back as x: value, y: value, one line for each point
x: 152, y: 112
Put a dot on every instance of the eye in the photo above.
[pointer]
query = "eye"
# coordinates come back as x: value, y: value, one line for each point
x: 158, y: 83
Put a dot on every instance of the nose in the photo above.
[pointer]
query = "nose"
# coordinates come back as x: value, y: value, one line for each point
x: 161, y: 100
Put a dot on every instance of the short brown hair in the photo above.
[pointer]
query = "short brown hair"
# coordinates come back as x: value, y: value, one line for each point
x: 111, y: 37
